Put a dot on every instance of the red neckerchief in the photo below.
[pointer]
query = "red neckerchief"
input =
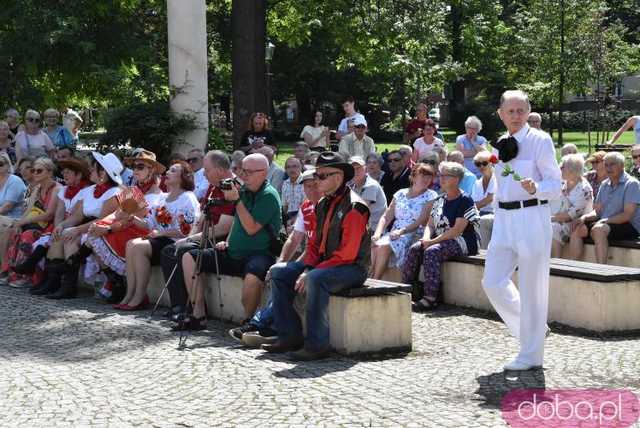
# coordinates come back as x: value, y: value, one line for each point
x: 327, y: 220
x: 145, y: 187
x: 72, y: 191
x: 100, y: 189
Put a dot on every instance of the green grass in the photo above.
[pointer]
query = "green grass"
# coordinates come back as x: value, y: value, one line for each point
x: 580, y: 139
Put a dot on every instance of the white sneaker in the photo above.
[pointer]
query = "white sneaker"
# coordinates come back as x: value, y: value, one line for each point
x: 516, y: 365
x: 255, y: 340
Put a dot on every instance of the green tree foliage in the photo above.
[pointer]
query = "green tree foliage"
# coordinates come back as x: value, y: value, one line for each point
x: 82, y: 53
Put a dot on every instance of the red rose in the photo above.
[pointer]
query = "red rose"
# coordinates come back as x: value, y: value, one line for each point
x: 493, y: 159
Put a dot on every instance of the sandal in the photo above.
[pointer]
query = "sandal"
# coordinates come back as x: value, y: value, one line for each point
x: 424, y: 305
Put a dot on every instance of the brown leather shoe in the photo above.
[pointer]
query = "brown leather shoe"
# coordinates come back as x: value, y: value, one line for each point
x: 282, y: 346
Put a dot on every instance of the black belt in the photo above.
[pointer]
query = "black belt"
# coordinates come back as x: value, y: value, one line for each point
x: 516, y: 205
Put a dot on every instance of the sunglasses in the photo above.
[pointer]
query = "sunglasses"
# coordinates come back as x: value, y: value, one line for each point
x: 139, y: 166
x: 2, y: 163
x: 193, y: 160
x: 38, y: 170
x: 323, y: 177
x: 481, y: 164
x: 33, y: 119
x: 426, y: 174
x: 360, y: 126
x: 395, y: 159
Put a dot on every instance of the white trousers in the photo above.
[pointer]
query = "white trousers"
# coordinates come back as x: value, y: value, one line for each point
x: 521, y: 238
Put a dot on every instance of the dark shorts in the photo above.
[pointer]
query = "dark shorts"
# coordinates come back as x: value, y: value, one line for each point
x: 157, y: 244
x: 619, y: 232
x: 257, y: 265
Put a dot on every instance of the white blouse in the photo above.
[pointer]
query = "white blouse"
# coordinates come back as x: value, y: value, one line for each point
x: 92, y: 206
x: 180, y: 214
x: 69, y: 203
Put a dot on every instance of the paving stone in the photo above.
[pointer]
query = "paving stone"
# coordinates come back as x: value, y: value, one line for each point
x: 80, y: 363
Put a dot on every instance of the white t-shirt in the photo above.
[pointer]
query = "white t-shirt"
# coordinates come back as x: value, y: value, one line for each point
x: 202, y: 184
x: 420, y: 148
x: 315, y: 133
x: 344, y: 123
x: 180, y: 214
x: 91, y: 206
x: 33, y: 145
x: 479, y: 193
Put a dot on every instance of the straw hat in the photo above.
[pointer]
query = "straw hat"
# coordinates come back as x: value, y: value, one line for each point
x: 147, y: 157
x: 77, y: 165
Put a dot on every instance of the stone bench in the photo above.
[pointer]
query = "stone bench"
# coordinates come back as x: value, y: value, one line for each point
x: 599, y: 298
x: 621, y: 253
x: 375, y: 318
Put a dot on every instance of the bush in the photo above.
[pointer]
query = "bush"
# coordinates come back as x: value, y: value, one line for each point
x: 151, y: 126
x: 587, y: 120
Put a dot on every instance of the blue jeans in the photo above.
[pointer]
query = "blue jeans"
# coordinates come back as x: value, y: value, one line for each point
x: 319, y: 284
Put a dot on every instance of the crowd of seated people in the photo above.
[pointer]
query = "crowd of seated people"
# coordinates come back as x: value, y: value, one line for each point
x: 108, y: 218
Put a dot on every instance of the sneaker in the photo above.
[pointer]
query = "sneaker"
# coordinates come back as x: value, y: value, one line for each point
x: 20, y: 283
x: 255, y: 339
x: 238, y: 332
x: 4, y: 278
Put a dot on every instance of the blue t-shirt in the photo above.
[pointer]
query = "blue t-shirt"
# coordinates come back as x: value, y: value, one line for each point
x: 468, y: 182
x: 61, y: 137
x: 13, y: 191
x: 444, y: 214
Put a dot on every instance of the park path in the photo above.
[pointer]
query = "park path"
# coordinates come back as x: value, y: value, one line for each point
x: 80, y: 363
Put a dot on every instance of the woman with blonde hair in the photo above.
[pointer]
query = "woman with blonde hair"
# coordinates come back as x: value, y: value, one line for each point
x: 258, y: 134
x: 36, y: 221
x: 33, y: 141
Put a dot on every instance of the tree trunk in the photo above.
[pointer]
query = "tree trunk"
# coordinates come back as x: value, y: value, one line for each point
x: 248, y: 21
x: 457, y: 102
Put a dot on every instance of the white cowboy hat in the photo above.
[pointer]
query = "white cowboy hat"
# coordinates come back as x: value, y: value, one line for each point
x: 111, y: 164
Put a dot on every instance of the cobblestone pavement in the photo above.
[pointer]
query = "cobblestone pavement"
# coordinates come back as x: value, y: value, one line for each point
x: 79, y: 363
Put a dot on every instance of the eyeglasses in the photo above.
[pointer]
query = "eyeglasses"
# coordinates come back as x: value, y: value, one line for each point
x: 249, y: 171
x: 33, y: 119
x: 481, y: 164
x: 193, y: 160
x: 426, y: 174
x: 38, y: 170
x: 139, y: 166
x: 395, y: 159
x: 323, y: 177
x: 360, y: 126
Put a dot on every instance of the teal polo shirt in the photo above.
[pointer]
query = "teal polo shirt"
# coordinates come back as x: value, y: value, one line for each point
x: 265, y: 207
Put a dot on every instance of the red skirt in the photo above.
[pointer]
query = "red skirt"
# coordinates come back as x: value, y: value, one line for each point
x: 110, y: 248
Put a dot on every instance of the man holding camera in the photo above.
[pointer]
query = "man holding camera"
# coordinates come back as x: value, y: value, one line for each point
x: 247, y: 250
x: 336, y: 259
x: 217, y: 168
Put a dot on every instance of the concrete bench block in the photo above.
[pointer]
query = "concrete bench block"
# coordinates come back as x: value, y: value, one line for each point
x: 370, y: 324
x: 357, y: 325
x: 592, y: 305
x: 618, y: 256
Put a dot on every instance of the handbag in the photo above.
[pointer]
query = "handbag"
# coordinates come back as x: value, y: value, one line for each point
x: 276, y: 241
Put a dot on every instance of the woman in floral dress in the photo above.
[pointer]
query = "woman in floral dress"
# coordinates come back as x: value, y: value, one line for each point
x: 405, y: 212
x: 576, y: 200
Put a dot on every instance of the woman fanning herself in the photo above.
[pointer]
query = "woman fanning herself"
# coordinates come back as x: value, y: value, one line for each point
x: 171, y: 220
x: 36, y: 221
x: 451, y: 231
x: 109, y: 237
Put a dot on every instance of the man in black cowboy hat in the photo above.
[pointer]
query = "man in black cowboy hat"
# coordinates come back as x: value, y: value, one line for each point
x: 336, y: 259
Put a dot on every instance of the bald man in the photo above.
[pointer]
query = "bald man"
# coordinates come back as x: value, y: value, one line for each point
x: 521, y: 235
x: 247, y: 250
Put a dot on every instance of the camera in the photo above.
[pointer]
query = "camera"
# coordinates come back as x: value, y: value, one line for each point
x: 227, y: 184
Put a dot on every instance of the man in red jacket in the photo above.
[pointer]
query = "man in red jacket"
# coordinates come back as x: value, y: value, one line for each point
x: 336, y: 259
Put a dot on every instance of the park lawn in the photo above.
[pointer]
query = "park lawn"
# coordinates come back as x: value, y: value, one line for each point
x: 580, y: 139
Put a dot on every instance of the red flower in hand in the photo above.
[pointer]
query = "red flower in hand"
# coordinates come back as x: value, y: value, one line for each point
x: 493, y: 159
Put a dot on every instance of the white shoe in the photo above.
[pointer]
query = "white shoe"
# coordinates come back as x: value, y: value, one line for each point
x: 516, y: 365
